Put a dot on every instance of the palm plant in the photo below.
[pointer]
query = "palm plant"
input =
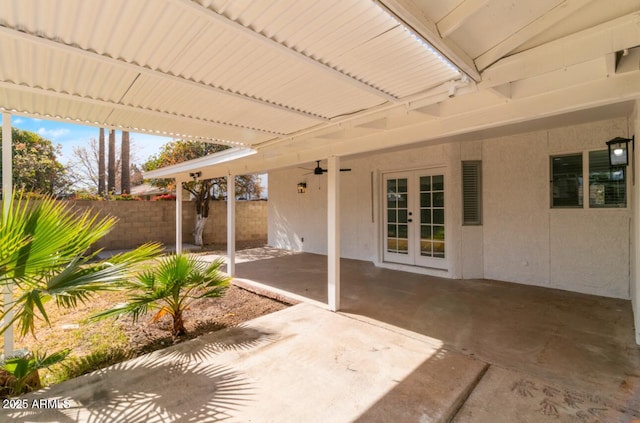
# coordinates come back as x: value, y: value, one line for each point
x: 170, y: 288
x: 44, y: 254
x: 24, y: 370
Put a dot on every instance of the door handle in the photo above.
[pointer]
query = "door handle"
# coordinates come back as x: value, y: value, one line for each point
x: 409, y: 220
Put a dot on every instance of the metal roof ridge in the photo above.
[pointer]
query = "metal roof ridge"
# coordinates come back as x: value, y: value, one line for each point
x: 196, y: 164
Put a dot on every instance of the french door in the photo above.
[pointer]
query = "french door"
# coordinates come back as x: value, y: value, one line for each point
x: 414, y: 218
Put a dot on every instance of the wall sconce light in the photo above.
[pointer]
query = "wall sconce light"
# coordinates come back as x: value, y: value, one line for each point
x: 195, y: 175
x: 619, y: 151
x: 302, y: 187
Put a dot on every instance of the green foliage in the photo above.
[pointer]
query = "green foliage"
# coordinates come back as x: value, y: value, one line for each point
x: 44, y: 253
x: 24, y: 370
x: 177, y: 152
x: 84, y: 195
x: 169, y: 288
x: 125, y: 197
x: 35, y: 164
x: 247, y: 186
x: 94, y: 361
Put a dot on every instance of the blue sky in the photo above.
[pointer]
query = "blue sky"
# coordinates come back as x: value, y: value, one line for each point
x: 69, y: 135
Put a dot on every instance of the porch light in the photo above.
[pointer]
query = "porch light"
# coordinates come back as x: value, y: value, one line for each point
x: 302, y: 187
x: 619, y: 151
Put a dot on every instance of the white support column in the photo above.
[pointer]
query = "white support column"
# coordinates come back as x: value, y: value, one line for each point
x: 634, y: 178
x: 231, y: 225
x: 178, y: 216
x: 333, y: 233
x: 7, y: 193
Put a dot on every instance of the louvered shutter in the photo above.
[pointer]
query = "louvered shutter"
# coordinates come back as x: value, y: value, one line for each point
x: 471, y: 192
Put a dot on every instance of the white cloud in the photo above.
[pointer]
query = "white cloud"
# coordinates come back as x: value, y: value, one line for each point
x: 52, y: 133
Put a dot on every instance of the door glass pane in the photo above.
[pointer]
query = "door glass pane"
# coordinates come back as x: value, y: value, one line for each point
x: 426, y: 248
x: 438, y: 232
x: 432, y: 216
x: 397, y: 216
x: 438, y: 216
x: 438, y: 249
x: 402, y: 200
x: 438, y: 183
x: 425, y: 199
x: 392, y: 244
x: 391, y: 216
x: 402, y: 185
x: 438, y: 199
x: 425, y: 215
x: 402, y: 216
x: 425, y: 183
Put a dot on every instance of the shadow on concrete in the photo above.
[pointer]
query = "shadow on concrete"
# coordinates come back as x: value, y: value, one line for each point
x: 236, y: 338
x: 176, y: 384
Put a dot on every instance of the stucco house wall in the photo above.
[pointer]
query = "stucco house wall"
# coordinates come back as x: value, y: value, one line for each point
x: 522, y: 239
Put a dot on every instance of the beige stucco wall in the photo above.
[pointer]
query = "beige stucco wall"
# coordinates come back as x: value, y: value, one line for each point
x: 521, y: 240
x: 145, y: 221
x: 583, y: 250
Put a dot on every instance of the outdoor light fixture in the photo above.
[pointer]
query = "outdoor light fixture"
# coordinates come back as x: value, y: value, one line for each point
x: 619, y: 151
x: 195, y: 175
x: 302, y: 187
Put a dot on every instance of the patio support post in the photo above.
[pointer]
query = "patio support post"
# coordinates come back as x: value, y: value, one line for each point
x: 231, y: 225
x: 635, y: 221
x: 333, y: 233
x: 7, y: 193
x: 178, y: 216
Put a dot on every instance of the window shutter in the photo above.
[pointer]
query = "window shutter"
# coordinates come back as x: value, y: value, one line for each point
x: 471, y: 192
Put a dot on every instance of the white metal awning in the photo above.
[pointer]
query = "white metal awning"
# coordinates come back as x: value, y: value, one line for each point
x: 240, y: 73
x: 298, y: 80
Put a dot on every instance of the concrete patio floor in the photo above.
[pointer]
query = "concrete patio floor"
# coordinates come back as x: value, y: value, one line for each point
x: 405, y: 347
x: 541, y: 344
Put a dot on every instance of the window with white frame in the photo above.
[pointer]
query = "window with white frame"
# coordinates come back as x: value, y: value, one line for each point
x: 606, y: 186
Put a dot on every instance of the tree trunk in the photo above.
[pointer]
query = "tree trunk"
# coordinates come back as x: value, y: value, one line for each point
x: 101, y: 163
x: 111, y: 164
x: 178, y: 325
x: 125, y: 174
x: 199, y: 230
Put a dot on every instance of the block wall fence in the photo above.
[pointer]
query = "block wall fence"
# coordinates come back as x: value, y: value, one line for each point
x: 146, y: 221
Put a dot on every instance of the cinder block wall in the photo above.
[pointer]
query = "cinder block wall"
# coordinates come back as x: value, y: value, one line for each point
x: 146, y: 221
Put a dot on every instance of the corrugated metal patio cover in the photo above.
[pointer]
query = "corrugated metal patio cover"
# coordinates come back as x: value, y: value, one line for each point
x: 243, y: 71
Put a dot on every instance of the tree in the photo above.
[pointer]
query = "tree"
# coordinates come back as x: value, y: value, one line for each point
x: 111, y: 163
x: 125, y: 172
x: 170, y: 287
x: 202, y: 190
x: 35, y: 164
x: 84, y: 168
x: 101, y: 163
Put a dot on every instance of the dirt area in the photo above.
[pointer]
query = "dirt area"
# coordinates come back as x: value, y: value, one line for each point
x: 203, y: 316
x: 98, y: 344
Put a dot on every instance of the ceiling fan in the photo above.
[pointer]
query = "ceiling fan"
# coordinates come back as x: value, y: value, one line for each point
x: 319, y: 170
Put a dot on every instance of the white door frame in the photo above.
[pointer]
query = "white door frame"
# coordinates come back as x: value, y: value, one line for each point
x: 413, y: 255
